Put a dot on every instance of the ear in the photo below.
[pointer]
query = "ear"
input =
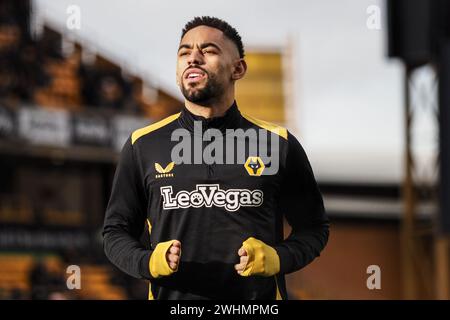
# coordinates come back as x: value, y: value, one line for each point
x: 240, y: 68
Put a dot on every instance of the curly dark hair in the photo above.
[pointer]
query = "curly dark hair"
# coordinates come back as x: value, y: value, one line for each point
x: 217, y: 23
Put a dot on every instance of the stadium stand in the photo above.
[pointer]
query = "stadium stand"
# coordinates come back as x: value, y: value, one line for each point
x: 47, y: 220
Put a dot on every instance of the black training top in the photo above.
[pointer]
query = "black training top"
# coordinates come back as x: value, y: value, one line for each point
x: 212, y: 208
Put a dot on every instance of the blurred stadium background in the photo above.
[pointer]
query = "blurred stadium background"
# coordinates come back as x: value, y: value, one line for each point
x: 69, y: 99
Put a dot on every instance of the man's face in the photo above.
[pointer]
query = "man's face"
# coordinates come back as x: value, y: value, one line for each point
x: 206, y: 64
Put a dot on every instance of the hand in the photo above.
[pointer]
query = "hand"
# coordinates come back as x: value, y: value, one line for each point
x: 240, y: 267
x: 173, y: 255
x: 257, y: 259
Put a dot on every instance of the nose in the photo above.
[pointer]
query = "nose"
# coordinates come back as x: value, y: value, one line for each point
x: 195, y: 57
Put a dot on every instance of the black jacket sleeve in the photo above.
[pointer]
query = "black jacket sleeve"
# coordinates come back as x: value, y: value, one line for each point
x: 302, y: 204
x: 125, y: 218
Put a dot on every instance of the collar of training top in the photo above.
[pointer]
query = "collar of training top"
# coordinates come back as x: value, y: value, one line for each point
x: 230, y: 120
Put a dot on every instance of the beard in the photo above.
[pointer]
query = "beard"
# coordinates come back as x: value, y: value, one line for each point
x: 203, y: 96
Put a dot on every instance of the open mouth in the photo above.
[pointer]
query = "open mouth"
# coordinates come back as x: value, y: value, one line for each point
x: 194, y: 74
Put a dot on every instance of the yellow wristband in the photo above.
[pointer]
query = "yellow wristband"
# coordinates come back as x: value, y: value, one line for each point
x: 263, y: 260
x: 159, y: 267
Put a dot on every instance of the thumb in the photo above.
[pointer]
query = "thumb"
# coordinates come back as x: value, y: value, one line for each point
x: 242, y: 252
x: 176, y: 243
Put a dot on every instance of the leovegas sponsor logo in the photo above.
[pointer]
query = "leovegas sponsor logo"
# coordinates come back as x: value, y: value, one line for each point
x: 209, y: 195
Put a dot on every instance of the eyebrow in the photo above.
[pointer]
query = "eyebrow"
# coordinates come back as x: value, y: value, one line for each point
x: 202, y: 46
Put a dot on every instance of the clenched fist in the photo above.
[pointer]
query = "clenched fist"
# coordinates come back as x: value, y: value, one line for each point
x: 257, y: 259
x: 173, y: 255
x: 240, y: 267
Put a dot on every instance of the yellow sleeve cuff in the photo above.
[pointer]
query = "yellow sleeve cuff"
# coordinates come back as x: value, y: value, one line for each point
x: 159, y: 267
x: 263, y: 260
